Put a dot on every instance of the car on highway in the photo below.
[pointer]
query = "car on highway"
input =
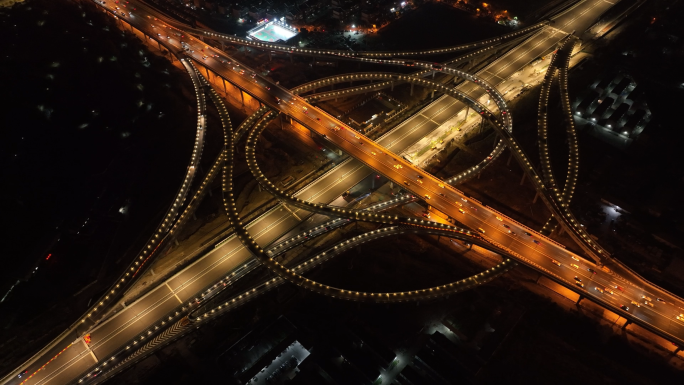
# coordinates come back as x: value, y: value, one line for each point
x: 419, y: 181
x: 660, y: 300
x: 609, y: 291
x: 373, y: 153
x: 418, y: 176
x: 461, y: 211
x: 680, y: 317
x: 623, y: 307
x: 407, y: 183
x: 555, y: 262
x: 599, y: 289
x: 536, y: 241
x: 440, y: 185
x: 580, y: 284
x: 635, y: 303
x: 480, y: 229
x: 575, y: 258
x: 398, y: 166
x: 575, y: 266
x: 22, y: 374
x: 427, y: 196
x: 498, y: 218
x: 649, y: 303
x: 646, y: 298
x: 505, y: 225
x: 528, y: 234
x: 592, y: 271
x: 578, y: 279
x: 459, y: 204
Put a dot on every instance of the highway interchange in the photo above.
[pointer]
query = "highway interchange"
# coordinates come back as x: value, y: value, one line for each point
x: 113, y: 334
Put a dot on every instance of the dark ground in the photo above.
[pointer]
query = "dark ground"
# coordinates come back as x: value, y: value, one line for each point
x: 91, y: 122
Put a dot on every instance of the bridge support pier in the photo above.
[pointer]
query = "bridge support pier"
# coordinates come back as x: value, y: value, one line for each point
x: 270, y: 57
x: 536, y: 196
x: 522, y: 180
x: 224, y: 86
x: 508, y: 163
x: 433, y: 94
x: 482, y: 124
x: 242, y: 97
x: 627, y: 322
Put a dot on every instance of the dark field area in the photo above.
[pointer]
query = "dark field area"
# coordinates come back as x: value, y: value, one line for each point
x: 92, y: 122
x: 437, y: 25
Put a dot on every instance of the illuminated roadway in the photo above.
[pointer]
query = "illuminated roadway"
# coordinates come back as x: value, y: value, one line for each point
x: 181, y: 288
x: 444, y: 203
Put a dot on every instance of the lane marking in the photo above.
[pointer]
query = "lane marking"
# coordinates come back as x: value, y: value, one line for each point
x: 172, y: 292
x: 89, y: 350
